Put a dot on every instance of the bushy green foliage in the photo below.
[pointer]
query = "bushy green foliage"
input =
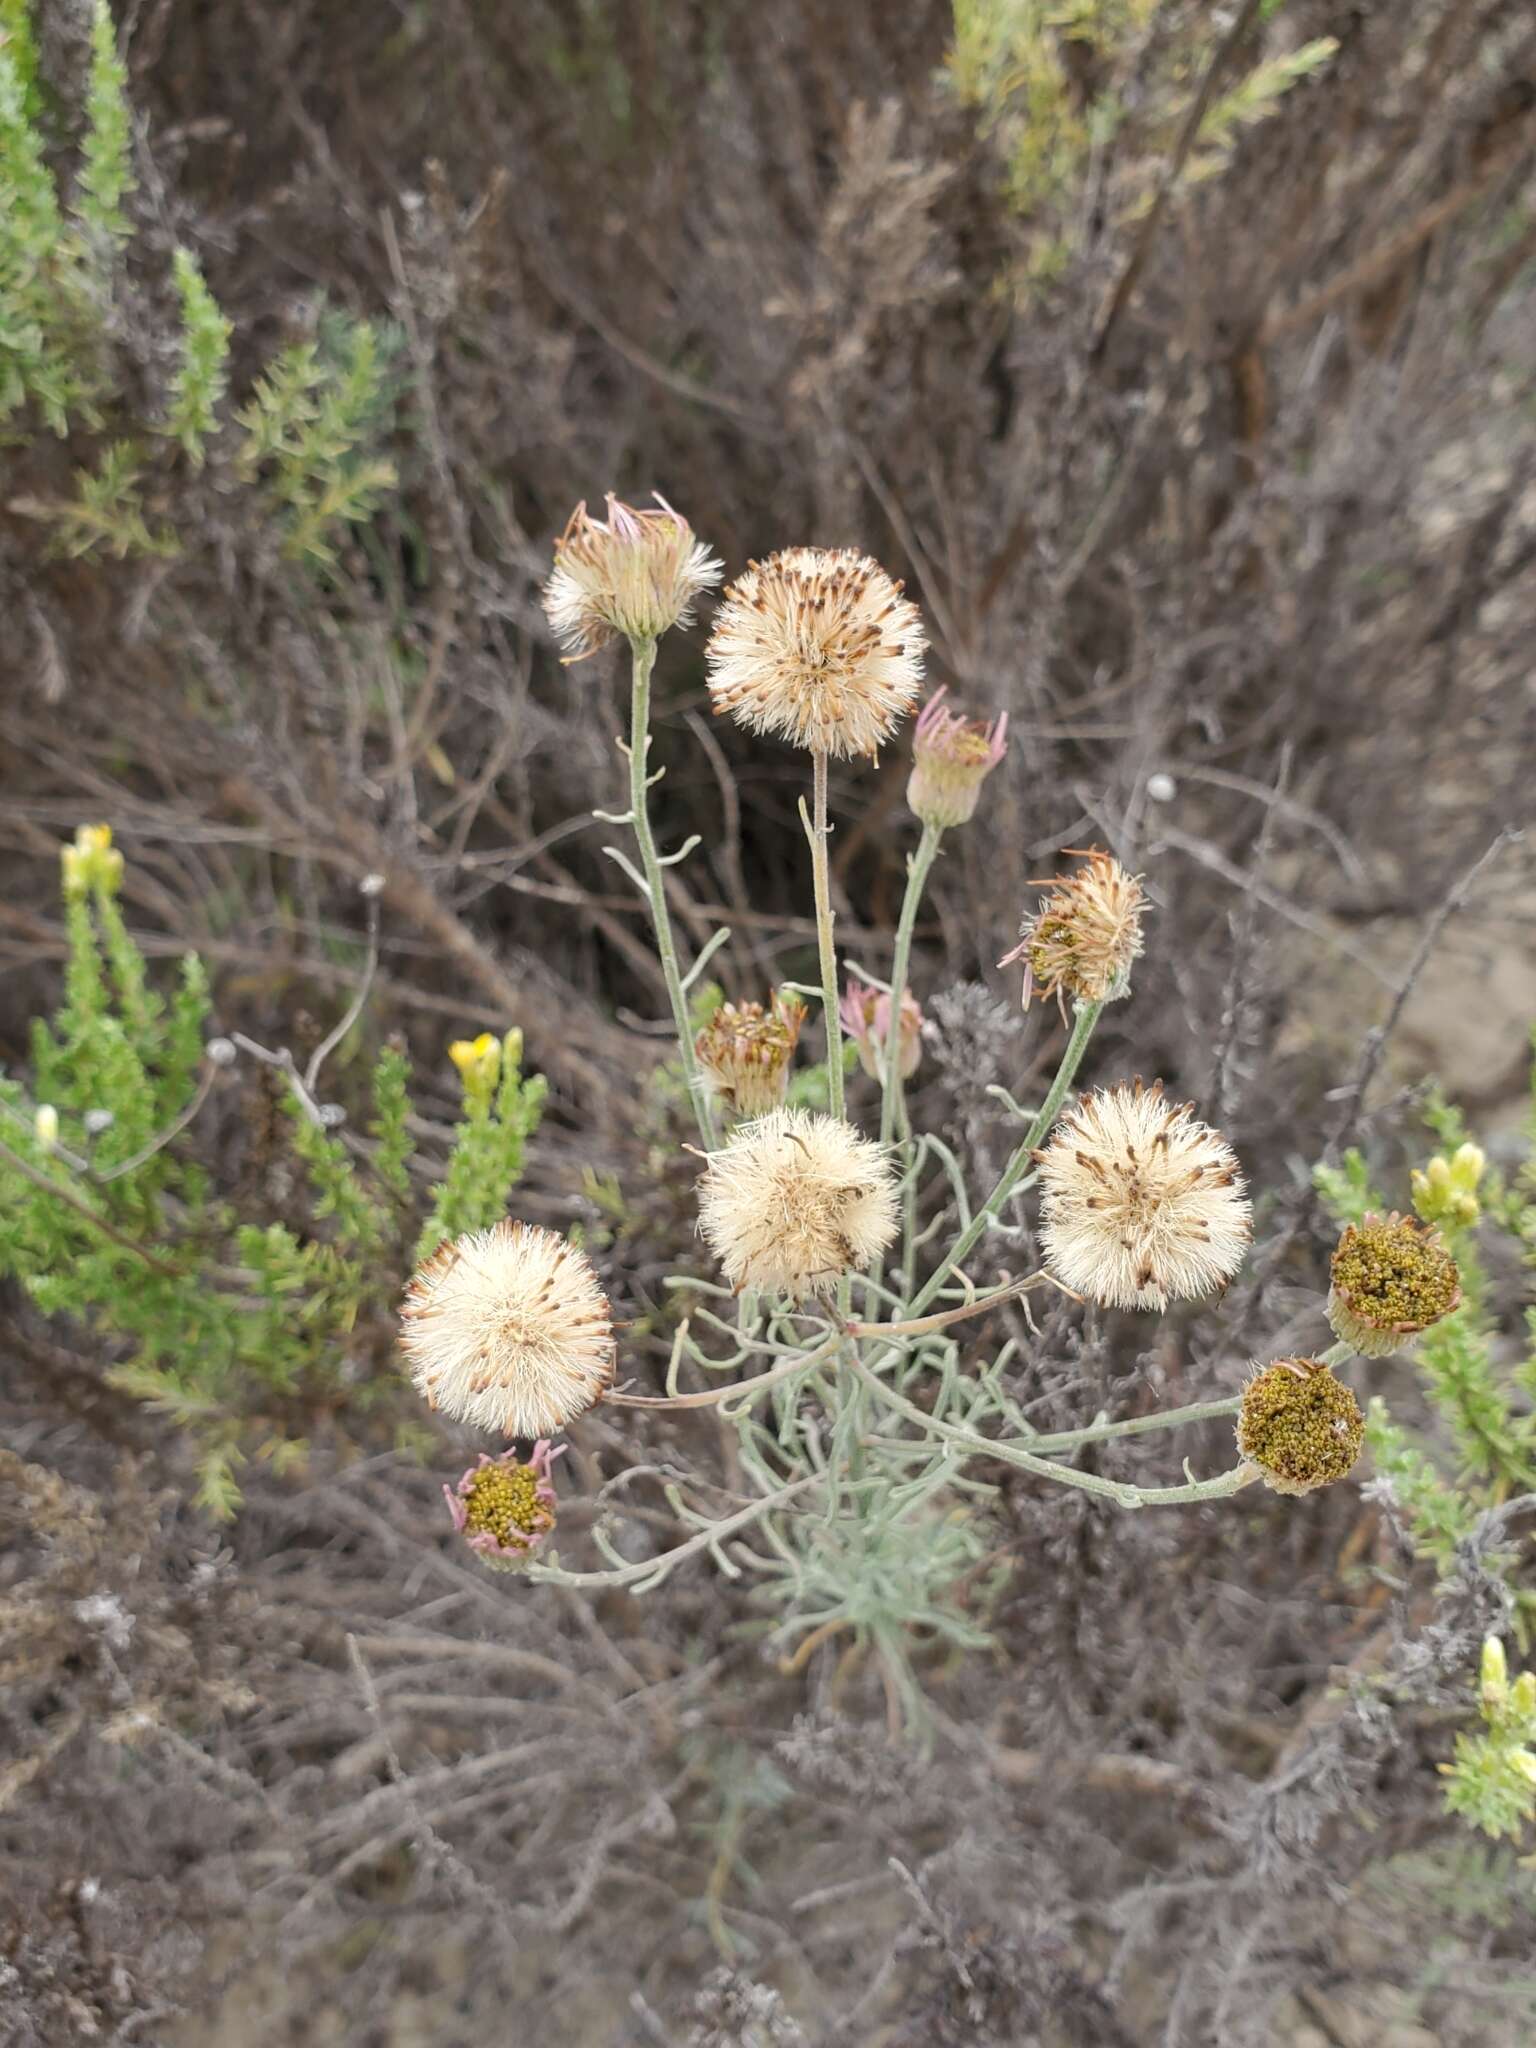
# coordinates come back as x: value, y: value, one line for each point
x: 67, y: 290
x: 1478, y: 1374
x: 308, y: 422
x: 202, y: 375
x: 242, y: 1325
x: 1068, y: 85
x: 1491, y: 1782
x: 106, y: 169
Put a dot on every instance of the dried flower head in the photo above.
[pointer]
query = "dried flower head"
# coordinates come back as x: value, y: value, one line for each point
x: 1391, y: 1278
x: 508, y: 1328
x: 1299, y: 1425
x: 951, y: 758
x: 866, y: 1017
x: 504, y: 1506
x: 1084, y: 937
x: 795, y: 1200
x: 818, y: 646
x: 631, y: 575
x: 747, y: 1051
x: 1143, y: 1204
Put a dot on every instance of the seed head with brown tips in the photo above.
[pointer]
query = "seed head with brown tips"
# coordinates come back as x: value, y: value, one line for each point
x: 1143, y: 1204
x: 508, y: 1329
x: 818, y: 646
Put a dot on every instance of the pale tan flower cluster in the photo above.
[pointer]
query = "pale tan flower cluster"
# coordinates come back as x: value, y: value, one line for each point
x: 819, y: 647
x: 1085, y: 937
x: 794, y: 1201
x: 630, y: 576
x: 1143, y: 1204
x: 508, y: 1329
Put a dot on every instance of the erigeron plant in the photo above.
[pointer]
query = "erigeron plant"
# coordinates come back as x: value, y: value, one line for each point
x: 856, y: 1513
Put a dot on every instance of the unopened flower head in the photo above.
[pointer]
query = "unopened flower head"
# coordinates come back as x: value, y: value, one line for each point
x: 866, y: 1017
x: 818, y: 646
x: 631, y: 576
x: 747, y: 1051
x: 951, y: 758
x: 93, y: 862
x: 794, y: 1201
x: 1391, y: 1278
x: 504, y: 1506
x: 1299, y: 1425
x: 508, y: 1329
x: 1143, y: 1204
x: 1446, y: 1191
x: 1083, y: 939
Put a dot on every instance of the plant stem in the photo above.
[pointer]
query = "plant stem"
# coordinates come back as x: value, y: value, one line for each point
x: 644, y: 653
x: 1082, y: 1030
x: 1123, y: 1495
x: 655, y: 1569
x: 819, y: 834
x: 890, y: 1065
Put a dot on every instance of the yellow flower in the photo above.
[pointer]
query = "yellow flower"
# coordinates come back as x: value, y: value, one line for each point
x: 479, y: 1063
x: 92, y: 862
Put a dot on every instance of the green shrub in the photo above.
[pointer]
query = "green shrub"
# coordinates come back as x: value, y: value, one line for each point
x: 242, y: 1328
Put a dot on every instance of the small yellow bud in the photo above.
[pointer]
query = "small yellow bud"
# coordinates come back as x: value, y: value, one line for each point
x: 1522, y: 1695
x: 93, y: 862
x: 46, y: 1126
x: 1493, y: 1673
x: 76, y: 872
x: 512, y: 1048
x: 1446, y: 1190
x: 1522, y: 1761
x: 479, y: 1063
x: 1467, y: 1163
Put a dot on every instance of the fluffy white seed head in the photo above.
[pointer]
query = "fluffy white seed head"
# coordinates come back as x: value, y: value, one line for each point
x: 508, y: 1329
x: 818, y: 646
x: 796, y: 1200
x: 633, y: 574
x: 1143, y: 1204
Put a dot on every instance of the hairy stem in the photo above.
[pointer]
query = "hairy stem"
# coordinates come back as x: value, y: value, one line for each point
x: 644, y: 652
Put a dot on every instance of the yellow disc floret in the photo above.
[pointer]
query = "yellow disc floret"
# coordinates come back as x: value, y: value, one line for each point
x: 1299, y: 1425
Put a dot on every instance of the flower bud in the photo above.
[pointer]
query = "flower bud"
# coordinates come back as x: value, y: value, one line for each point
x: 866, y: 1017
x: 93, y: 862
x: 45, y: 1125
x: 1391, y: 1279
x: 951, y: 758
x: 1493, y: 1673
x: 748, y: 1051
x: 632, y: 575
x: 479, y: 1063
x: 504, y: 1506
x: 1446, y: 1190
x: 1299, y: 1425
